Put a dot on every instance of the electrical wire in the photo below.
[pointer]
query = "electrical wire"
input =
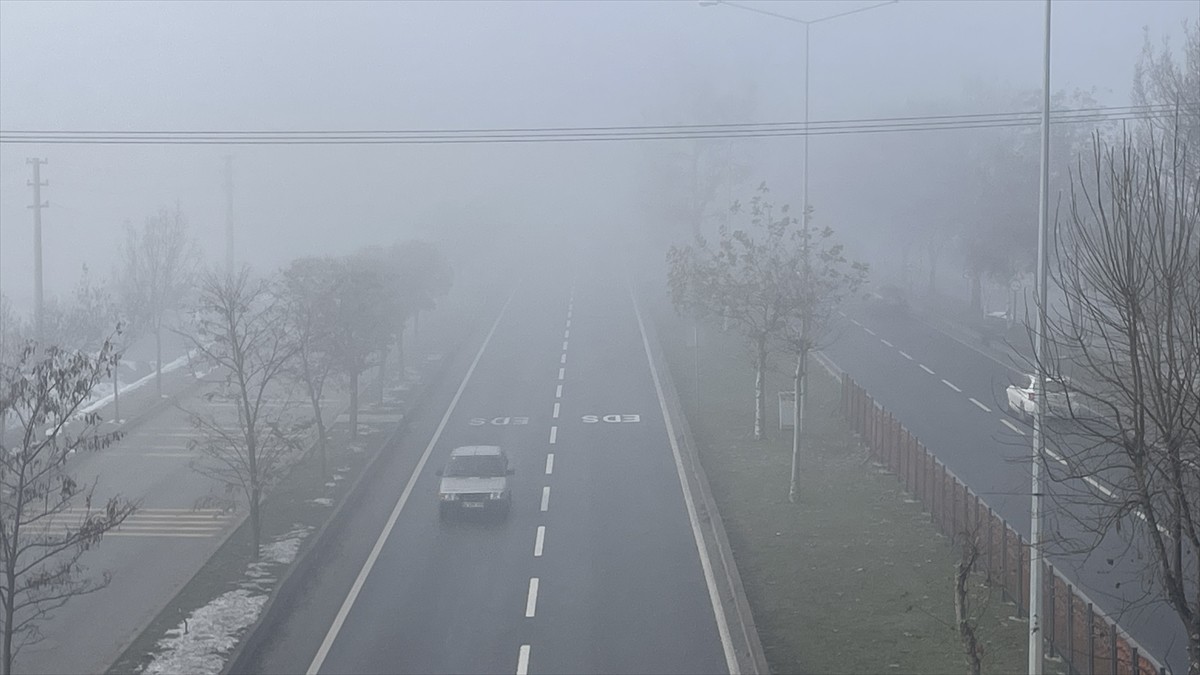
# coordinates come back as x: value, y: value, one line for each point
x: 749, y: 130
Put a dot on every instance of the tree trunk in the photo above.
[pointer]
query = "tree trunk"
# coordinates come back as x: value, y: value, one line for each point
x: 158, y: 357
x: 381, y: 376
x: 354, y: 405
x: 798, y: 421
x: 11, y: 579
x: 321, y: 445
x: 977, y: 292
x: 400, y: 349
x: 255, y: 518
x: 760, y: 401
x: 116, y: 393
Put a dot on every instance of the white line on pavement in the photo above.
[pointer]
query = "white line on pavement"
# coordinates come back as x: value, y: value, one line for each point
x: 531, y: 599
x: 982, y: 407
x: 562, y: 373
x: 855, y: 322
x: 545, y: 498
x: 868, y: 330
x: 925, y: 368
x: 523, y: 660
x: 1096, y: 484
x: 563, y: 358
x: 356, y: 588
x: 950, y: 384
x: 553, y: 435
x: 841, y: 314
x: 1012, y: 426
x: 886, y: 342
x: 549, y: 463
x: 556, y: 409
x: 156, y: 534
x: 539, y: 541
x: 558, y: 392
x: 1056, y: 457
x: 566, y: 333
x: 568, y: 322
x: 906, y: 356
x: 714, y: 597
x: 564, y: 345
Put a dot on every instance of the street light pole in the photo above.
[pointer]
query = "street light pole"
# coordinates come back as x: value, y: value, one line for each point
x: 1036, y: 552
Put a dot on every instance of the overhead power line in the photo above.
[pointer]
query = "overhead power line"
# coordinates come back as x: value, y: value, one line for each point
x: 748, y: 130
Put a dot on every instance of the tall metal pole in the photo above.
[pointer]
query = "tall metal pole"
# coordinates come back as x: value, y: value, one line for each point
x: 1039, y: 441
x: 798, y: 402
x: 37, y: 206
x: 229, y: 214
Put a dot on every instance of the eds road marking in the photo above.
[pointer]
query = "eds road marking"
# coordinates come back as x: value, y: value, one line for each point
x: 344, y: 611
x: 562, y: 372
x: 886, y: 342
x: 906, y: 356
x: 553, y: 435
x: 558, y: 392
x: 556, y: 409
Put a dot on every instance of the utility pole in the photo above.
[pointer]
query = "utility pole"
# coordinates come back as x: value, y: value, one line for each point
x: 37, y: 206
x: 229, y: 214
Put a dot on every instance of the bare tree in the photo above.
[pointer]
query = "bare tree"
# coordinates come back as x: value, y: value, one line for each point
x: 158, y: 265
x: 1127, y: 264
x: 47, y: 519
x: 1161, y: 79
x: 364, y: 320
x: 965, y: 620
x: 242, y: 330
x: 310, y: 286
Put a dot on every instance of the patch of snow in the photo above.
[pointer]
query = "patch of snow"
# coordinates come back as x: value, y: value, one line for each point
x: 338, y: 476
x: 323, y: 501
x: 283, y: 550
x: 212, y: 632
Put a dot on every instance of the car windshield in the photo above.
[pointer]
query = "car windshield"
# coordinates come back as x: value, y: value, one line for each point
x: 485, y: 466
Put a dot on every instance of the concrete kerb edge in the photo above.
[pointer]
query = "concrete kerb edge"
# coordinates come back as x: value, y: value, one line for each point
x: 751, y: 657
x: 296, y: 574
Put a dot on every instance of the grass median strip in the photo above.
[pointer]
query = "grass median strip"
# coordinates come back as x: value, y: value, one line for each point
x: 851, y: 579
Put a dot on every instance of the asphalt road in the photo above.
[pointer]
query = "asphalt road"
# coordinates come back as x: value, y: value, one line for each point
x: 952, y: 397
x: 594, y: 571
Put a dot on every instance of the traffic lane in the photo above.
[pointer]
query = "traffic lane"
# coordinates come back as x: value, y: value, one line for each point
x: 451, y: 597
x: 622, y: 587
x: 994, y: 461
x: 972, y: 443
x: 295, y: 632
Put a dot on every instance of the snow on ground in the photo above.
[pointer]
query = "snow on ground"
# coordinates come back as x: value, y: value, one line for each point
x: 102, y: 395
x: 323, y: 501
x: 201, y: 643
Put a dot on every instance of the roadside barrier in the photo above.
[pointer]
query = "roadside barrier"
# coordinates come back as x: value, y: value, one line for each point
x: 1076, y: 630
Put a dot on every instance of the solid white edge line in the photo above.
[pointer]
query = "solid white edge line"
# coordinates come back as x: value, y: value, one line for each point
x: 344, y: 611
x: 523, y: 660
x: 553, y: 434
x: 705, y: 564
x: 905, y: 355
x: 545, y: 498
x: 1012, y: 426
x: 558, y: 392
x: 556, y: 409
x: 531, y: 599
x: 549, y: 463
x: 950, y: 384
x: 539, y: 541
x: 982, y: 407
x: 926, y: 368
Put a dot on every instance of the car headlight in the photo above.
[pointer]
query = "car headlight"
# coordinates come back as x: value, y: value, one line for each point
x: 448, y: 497
x: 496, y: 495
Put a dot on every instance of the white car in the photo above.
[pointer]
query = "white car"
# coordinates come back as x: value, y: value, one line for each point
x: 1022, y: 399
x: 475, y: 479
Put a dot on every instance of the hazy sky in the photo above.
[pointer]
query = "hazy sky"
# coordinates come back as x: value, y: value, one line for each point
x: 313, y: 65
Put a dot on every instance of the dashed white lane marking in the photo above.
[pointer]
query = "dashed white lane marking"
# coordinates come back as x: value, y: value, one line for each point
x: 568, y: 323
x: 855, y: 322
x: 553, y: 435
x: 1012, y: 426
x: 556, y: 409
x: 868, y: 330
x: 841, y: 314
x: 1056, y: 457
x: 523, y: 660
x: 531, y: 599
x: 563, y: 358
x: 539, y: 541
x: 315, y: 666
x: 562, y: 372
x: 950, y: 384
x: 886, y: 342
x: 558, y: 392
x: 564, y: 345
x: 566, y: 333
x: 545, y: 498
x: 982, y: 407
x: 549, y: 463
x: 1096, y: 484
x: 926, y: 368
x: 906, y: 356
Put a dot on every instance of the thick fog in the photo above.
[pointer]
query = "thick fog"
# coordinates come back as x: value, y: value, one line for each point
x: 362, y: 66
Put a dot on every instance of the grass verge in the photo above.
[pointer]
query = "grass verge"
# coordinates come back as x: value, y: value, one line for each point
x: 852, y: 578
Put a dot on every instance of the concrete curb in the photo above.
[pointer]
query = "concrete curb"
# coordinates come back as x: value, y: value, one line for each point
x: 743, y: 631
x: 299, y: 574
